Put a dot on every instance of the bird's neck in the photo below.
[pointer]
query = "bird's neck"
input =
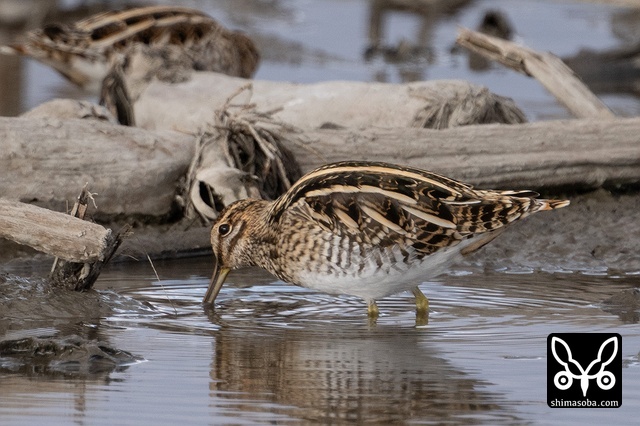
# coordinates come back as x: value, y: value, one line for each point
x: 262, y: 235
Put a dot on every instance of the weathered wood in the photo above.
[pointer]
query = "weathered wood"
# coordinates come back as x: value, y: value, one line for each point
x: 582, y: 153
x: 54, y: 233
x: 81, y: 276
x: 139, y: 173
x: 547, y: 68
x: 440, y: 104
x: 134, y: 171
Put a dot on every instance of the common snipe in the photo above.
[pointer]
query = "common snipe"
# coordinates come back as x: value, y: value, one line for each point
x: 365, y: 229
x: 85, y: 51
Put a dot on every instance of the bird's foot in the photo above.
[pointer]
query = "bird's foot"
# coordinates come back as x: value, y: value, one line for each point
x: 422, y: 307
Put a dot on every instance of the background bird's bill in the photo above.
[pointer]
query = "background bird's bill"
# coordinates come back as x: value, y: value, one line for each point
x: 219, y: 275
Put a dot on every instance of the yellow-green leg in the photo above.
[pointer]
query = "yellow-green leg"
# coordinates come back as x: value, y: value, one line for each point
x: 372, y: 309
x: 373, y: 312
x: 422, y: 303
x: 422, y: 307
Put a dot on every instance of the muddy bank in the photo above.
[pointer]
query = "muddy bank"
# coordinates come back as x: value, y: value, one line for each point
x: 68, y: 356
x: 48, y: 331
x: 597, y: 232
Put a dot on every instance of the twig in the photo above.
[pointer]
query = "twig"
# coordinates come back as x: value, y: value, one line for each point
x: 78, y: 210
x: 160, y: 282
x: 245, y: 120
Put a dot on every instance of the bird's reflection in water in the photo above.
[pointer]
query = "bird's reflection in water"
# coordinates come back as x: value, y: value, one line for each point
x: 343, y: 372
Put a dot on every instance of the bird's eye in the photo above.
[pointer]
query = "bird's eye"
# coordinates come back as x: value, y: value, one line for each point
x: 224, y: 229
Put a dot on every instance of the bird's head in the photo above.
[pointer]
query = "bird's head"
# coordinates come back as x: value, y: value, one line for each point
x: 235, y: 237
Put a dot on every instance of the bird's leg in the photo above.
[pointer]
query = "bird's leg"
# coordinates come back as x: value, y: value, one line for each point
x: 372, y: 310
x: 422, y: 303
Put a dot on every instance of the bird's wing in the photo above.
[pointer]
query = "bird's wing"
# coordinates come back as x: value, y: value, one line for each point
x: 385, y: 205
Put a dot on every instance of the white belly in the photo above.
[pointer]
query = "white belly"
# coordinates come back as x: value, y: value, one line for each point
x: 370, y: 282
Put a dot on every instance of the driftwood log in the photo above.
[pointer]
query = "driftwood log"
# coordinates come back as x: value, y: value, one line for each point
x: 567, y: 153
x: 442, y: 104
x: 547, y: 68
x: 134, y: 171
x: 80, y: 276
x: 137, y: 173
x: 81, y: 248
x: 204, y: 101
x: 54, y: 233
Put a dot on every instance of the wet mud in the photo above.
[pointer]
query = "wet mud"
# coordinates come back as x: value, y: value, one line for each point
x: 50, y: 331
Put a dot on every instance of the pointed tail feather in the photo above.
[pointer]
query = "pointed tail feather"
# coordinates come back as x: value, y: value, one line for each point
x: 543, y: 205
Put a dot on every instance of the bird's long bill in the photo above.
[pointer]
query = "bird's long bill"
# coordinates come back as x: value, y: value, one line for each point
x: 219, y: 275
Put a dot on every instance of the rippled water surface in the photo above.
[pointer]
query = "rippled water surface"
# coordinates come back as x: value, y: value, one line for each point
x: 270, y: 352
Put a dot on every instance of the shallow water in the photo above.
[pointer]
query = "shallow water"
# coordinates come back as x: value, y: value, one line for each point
x: 274, y: 353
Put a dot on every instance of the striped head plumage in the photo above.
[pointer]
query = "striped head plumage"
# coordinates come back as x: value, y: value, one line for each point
x: 366, y: 229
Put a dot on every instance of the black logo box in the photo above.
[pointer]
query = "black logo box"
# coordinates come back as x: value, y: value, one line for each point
x: 584, y: 370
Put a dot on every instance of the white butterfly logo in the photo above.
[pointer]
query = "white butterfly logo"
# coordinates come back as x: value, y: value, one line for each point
x: 564, y: 379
